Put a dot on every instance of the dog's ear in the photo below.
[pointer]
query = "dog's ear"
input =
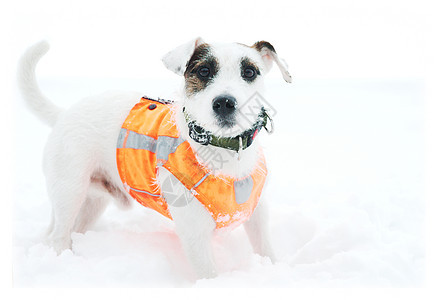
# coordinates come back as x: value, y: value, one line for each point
x: 176, y: 60
x: 269, y: 55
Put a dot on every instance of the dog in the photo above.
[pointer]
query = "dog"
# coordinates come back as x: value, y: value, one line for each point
x: 83, y: 156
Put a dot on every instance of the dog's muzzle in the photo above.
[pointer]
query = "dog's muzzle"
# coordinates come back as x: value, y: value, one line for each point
x: 236, y: 143
x: 224, y: 107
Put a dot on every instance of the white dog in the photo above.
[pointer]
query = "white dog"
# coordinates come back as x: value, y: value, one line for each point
x: 213, y: 116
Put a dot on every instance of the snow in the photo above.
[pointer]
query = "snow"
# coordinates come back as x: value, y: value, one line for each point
x: 345, y: 191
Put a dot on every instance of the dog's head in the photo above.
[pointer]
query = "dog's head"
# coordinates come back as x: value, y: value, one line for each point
x: 220, y: 80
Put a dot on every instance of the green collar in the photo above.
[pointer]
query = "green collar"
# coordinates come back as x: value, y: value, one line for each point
x: 236, y: 143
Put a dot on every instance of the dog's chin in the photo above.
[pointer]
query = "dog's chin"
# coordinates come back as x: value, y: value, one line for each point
x: 226, y: 124
x: 230, y: 127
x: 225, y: 127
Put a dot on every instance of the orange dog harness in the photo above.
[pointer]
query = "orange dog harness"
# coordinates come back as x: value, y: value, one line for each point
x: 150, y: 139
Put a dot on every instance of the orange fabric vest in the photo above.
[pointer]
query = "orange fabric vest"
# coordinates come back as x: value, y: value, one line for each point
x: 149, y: 139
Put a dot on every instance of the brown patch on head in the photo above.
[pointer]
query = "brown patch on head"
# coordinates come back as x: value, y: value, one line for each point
x: 263, y: 44
x: 201, y: 69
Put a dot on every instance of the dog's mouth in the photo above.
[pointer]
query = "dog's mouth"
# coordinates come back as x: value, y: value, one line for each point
x: 234, y: 142
x: 226, y: 122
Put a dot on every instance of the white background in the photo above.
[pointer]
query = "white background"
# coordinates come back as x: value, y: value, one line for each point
x: 342, y: 40
x: 328, y: 39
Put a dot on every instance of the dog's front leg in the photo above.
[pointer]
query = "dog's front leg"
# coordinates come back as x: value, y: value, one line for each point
x: 193, y: 225
x: 258, y: 232
x: 195, y: 228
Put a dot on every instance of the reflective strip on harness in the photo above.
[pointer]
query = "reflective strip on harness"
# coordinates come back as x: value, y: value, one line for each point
x: 167, y: 145
x: 162, y: 147
x: 200, y: 181
x: 145, y: 192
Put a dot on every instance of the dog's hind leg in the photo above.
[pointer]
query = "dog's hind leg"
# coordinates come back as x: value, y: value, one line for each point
x: 66, y: 203
x: 68, y: 171
x: 100, y: 193
x: 96, y: 201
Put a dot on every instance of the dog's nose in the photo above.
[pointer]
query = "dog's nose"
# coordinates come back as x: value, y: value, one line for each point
x: 224, y: 105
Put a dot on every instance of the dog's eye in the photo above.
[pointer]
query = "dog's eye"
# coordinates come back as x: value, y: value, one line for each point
x: 204, y: 72
x: 249, y: 73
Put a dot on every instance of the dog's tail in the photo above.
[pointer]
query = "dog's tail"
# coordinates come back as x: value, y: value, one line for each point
x: 41, y: 106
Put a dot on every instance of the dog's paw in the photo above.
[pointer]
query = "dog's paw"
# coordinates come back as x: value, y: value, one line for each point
x: 273, y: 258
x: 206, y: 274
x: 59, y: 244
